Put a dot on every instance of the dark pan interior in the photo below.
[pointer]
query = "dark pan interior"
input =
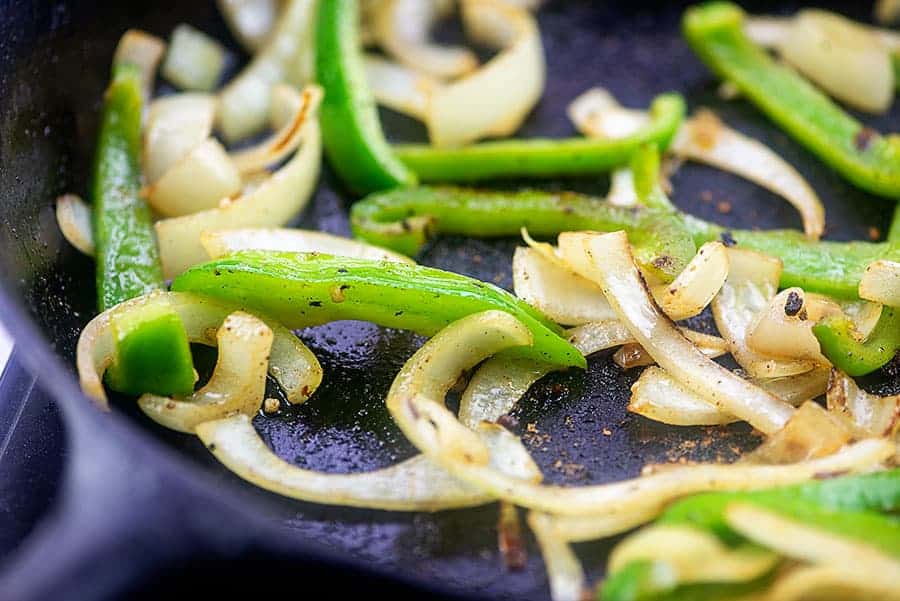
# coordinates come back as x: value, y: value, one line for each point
x: 53, y: 68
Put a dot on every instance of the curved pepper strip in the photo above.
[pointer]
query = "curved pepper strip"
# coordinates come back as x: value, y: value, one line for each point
x: 402, y: 219
x: 542, y: 157
x: 352, y: 134
x: 127, y: 254
x: 306, y: 289
x: 849, y: 506
x: 861, y: 155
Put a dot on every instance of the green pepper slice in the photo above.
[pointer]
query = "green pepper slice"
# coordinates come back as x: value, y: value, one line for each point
x: 305, y: 289
x: 542, y: 157
x: 351, y: 132
x: 861, y: 155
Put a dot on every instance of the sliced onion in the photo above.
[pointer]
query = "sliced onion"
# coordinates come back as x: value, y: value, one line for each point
x: 194, y: 61
x: 74, y: 219
x: 597, y: 114
x: 607, y: 259
x: 751, y: 284
x: 244, y: 104
x: 803, y: 542
x: 398, y: 87
x: 811, y: 432
x: 497, y: 386
x: 402, y: 28
x: 564, y: 572
x: 416, y: 484
x: 830, y: 581
x: 237, y: 385
x: 598, y: 336
x: 697, y: 284
x: 881, y: 283
x: 250, y: 21
x: 539, y: 281
x: 845, y: 58
x: 866, y: 414
x: 175, y: 125
x: 292, y: 365
x: 272, y: 203
x: 690, y: 555
x: 226, y: 242
x: 505, y: 89
x: 199, y: 181
x: 633, y: 355
x: 784, y: 328
x: 704, y: 138
x: 621, y: 189
x: 300, y: 107
x: 144, y: 51
x: 658, y: 396
x: 416, y: 403
x: 768, y: 32
x: 581, y: 528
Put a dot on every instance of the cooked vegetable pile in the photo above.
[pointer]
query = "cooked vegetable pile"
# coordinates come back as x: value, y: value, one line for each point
x: 189, y: 198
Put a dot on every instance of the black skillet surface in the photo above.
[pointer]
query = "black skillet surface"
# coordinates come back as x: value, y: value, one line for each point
x: 123, y: 512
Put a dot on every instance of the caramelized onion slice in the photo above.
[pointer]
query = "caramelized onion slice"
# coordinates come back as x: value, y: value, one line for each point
x: 504, y: 89
x: 865, y: 414
x: 245, y: 103
x: 272, y: 203
x: 398, y: 87
x: 607, y: 259
x: 881, y: 283
x: 497, y: 386
x: 597, y: 114
x: 564, y: 571
x: 237, y: 385
x: 250, y: 21
x: 74, y: 219
x: 811, y: 432
x: 194, y: 61
x: 751, y: 284
x: 416, y: 484
x: 704, y: 138
x: 175, y: 125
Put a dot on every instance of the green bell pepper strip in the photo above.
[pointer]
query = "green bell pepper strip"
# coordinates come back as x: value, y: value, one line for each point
x: 840, y: 345
x: 152, y: 351
x: 645, y: 169
x: 862, y: 156
x: 305, y: 289
x: 126, y: 251
x: 848, y: 506
x: 542, y: 157
x: 402, y: 219
x: 644, y: 581
x: 351, y: 132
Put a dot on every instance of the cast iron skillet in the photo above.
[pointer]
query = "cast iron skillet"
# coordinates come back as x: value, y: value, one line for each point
x: 129, y: 515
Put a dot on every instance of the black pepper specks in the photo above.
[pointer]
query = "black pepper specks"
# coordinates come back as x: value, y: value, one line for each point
x: 727, y: 239
x: 793, y: 304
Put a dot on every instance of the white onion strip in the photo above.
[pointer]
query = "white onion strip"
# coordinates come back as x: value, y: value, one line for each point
x: 250, y: 21
x: 606, y: 258
x: 237, y: 385
x: 633, y: 355
x: 865, y: 414
x: 496, y: 388
x: 821, y: 581
x: 881, y: 283
x: 74, y: 219
x: 658, y: 396
x: 582, y: 528
x: 194, y: 61
x: 597, y: 114
x: 806, y: 543
x: 416, y: 484
x: 416, y: 403
x: 505, y: 89
x: 564, y: 571
x: 402, y: 28
x: 292, y: 365
x: 225, y: 242
x: 692, y: 555
x: 143, y: 50
x: 783, y: 328
x: 175, y: 125
x: 245, y: 103
x: 704, y: 138
x: 751, y: 284
x: 398, y: 87
x: 272, y: 203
